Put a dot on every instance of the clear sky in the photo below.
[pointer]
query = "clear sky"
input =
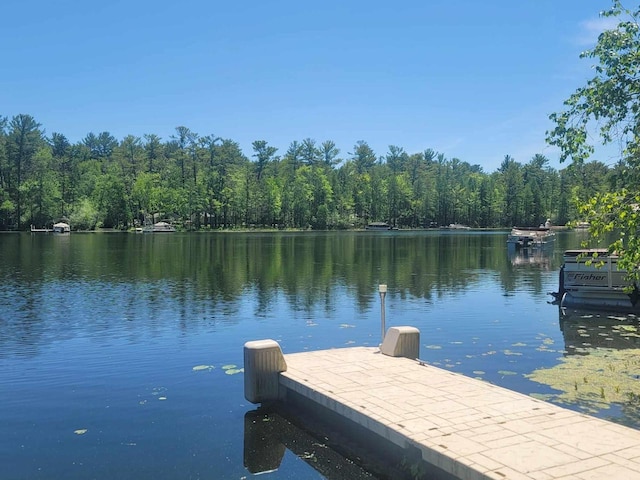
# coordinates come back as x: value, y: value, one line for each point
x: 475, y: 80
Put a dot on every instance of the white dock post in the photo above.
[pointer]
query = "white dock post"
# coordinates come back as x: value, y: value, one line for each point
x: 263, y: 361
x: 401, y: 342
x: 382, y: 289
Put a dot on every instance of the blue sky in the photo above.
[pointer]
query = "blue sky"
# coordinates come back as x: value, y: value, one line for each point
x: 475, y: 80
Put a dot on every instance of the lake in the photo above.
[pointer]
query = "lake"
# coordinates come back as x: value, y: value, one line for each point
x: 121, y: 354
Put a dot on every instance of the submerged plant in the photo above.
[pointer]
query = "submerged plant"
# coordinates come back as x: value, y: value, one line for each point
x: 604, y: 377
x: 232, y: 369
x: 200, y: 368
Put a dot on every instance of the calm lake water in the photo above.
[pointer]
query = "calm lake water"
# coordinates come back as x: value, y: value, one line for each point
x: 121, y: 354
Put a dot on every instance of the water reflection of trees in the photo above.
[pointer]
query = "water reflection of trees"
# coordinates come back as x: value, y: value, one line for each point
x: 206, y: 276
x: 305, y: 267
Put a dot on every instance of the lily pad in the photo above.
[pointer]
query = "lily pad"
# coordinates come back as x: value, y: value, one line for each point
x: 232, y: 369
x: 199, y: 368
x: 510, y: 352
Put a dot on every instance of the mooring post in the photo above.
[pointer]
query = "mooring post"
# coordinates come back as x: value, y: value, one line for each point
x: 263, y: 362
x: 383, y: 292
x: 402, y: 342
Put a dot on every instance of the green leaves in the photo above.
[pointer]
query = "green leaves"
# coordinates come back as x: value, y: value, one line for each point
x: 610, y: 101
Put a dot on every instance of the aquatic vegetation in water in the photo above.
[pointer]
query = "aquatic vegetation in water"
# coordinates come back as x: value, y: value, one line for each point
x: 509, y: 352
x: 200, y: 368
x: 506, y: 372
x: 232, y: 369
x: 308, y: 456
x: 629, y: 331
x: 546, y: 343
x: 596, y: 380
x: 541, y: 396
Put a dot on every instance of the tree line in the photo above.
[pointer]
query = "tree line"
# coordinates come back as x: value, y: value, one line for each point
x: 207, y: 182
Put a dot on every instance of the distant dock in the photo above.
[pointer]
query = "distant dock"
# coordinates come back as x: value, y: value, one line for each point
x: 466, y: 428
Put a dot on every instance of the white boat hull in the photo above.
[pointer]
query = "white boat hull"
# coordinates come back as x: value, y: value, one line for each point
x: 530, y: 237
x: 593, y: 286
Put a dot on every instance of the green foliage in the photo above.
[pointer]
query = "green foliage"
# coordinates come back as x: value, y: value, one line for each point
x: 21, y: 142
x: 610, y: 99
x: 111, y: 200
x: 206, y: 182
x: 84, y: 216
x: 609, y: 104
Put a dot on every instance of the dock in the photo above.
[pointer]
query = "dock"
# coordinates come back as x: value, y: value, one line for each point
x: 464, y: 427
x: 40, y: 230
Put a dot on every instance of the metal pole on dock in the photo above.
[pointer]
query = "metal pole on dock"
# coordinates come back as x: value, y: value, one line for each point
x: 383, y: 292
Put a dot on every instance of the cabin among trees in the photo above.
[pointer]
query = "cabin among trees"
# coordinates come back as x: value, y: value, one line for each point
x: 207, y: 182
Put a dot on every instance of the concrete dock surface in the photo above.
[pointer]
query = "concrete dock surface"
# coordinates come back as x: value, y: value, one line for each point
x: 467, y: 427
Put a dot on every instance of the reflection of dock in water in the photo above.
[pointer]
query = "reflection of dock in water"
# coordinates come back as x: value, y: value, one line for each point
x: 269, y: 433
x: 529, y: 257
x: 584, y: 330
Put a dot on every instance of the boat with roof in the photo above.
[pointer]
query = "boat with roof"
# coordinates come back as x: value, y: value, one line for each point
x: 590, y: 278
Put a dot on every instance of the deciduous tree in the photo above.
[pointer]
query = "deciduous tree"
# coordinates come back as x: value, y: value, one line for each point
x: 608, y: 107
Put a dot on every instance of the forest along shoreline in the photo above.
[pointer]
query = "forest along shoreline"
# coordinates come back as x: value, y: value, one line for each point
x: 202, y: 182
